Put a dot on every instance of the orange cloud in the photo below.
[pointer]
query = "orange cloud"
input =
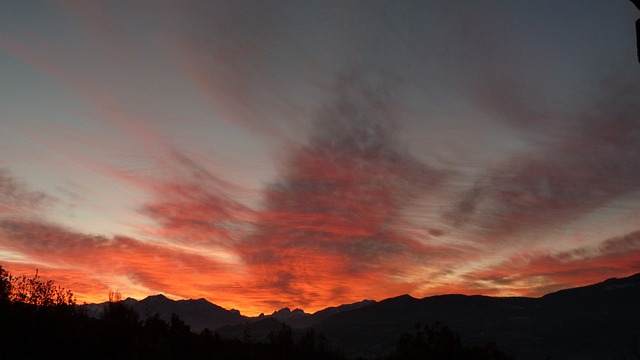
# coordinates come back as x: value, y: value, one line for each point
x: 535, y: 274
x: 90, y: 266
x: 333, y: 227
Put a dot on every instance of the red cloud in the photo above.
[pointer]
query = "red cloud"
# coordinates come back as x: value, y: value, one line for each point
x: 535, y: 274
x: 335, y: 212
x: 93, y: 264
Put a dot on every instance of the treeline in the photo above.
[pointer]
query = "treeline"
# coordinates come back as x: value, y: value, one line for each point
x: 437, y: 342
x: 39, y: 320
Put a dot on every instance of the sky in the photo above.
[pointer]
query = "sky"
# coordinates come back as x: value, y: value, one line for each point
x: 311, y: 154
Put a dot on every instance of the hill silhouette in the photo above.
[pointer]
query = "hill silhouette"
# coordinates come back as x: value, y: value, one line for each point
x: 591, y: 322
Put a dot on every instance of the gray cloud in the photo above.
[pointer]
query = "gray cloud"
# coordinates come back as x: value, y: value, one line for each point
x: 16, y: 197
x: 594, y: 164
x: 340, y: 194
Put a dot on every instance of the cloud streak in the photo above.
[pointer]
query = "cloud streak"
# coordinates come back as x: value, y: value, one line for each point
x: 538, y: 273
x: 196, y: 206
x: 16, y: 198
x: 335, y: 212
x: 589, y: 167
x: 135, y: 267
x: 306, y: 155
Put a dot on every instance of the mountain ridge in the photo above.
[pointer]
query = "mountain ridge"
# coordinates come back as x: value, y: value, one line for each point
x: 286, y: 311
x: 594, y: 321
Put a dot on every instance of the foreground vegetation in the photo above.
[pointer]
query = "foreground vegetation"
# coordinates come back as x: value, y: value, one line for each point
x: 39, y: 320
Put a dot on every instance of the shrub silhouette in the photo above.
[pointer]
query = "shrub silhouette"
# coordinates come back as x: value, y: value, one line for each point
x: 34, y: 291
x: 37, y: 318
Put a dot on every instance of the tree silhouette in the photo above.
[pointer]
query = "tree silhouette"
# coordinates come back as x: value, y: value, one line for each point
x: 313, y: 345
x: 5, y: 285
x: 282, y: 342
x: 438, y: 342
x: 114, y: 296
x: 119, y: 330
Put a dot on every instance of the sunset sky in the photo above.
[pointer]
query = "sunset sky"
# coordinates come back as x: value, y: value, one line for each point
x: 313, y: 153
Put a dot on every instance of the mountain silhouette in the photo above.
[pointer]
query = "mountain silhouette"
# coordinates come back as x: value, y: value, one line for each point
x: 590, y: 322
x: 198, y: 314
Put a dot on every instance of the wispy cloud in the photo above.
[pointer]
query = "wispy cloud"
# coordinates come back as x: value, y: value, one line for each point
x: 537, y: 273
x: 163, y: 102
x: 566, y: 179
x: 16, y: 197
x: 195, y: 206
x: 136, y: 267
x: 335, y: 212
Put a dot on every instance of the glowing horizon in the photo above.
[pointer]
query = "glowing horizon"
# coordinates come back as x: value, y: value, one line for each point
x: 264, y: 156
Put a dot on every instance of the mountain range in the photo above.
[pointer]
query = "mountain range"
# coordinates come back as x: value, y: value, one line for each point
x: 600, y: 321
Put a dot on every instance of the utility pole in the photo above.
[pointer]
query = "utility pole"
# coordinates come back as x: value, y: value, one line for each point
x: 637, y: 4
